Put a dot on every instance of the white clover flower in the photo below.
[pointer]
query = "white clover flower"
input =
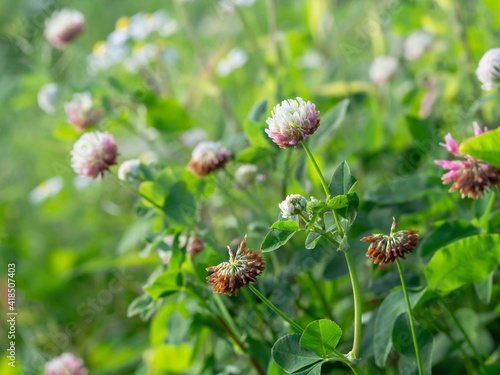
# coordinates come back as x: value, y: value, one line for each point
x: 234, y: 59
x: 246, y: 174
x: 63, y: 26
x: 417, y: 43
x: 383, y: 69
x: 47, y: 97
x: 291, y: 121
x: 80, y: 112
x: 141, y: 56
x: 93, y: 154
x: 65, y: 364
x: 293, y: 205
x: 488, y: 70
x: 46, y: 189
x: 129, y: 170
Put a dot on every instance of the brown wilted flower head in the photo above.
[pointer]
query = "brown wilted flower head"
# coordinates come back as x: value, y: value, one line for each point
x: 194, y: 246
x: 242, y: 269
x: 387, y: 248
x: 207, y: 157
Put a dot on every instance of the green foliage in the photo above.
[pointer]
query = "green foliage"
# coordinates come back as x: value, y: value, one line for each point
x: 322, y: 337
x: 465, y: 261
x: 291, y: 356
x: 485, y: 147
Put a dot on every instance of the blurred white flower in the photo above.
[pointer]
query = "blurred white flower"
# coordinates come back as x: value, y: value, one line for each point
x: 140, y: 26
x: 93, y: 154
x: 129, y: 170
x: 161, y: 22
x: 246, y: 174
x: 47, y: 97
x: 488, y: 70
x: 80, y: 112
x: 190, y: 138
x: 63, y: 26
x: 417, y: 43
x: 45, y: 190
x: 229, y: 5
x: 383, y: 69
x: 293, y: 205
x: 121, y: 32
x: 106, y: 55
x: 234, y: 59
x: 141, y: 56
x: 310, y: 60
x: 65, y: 364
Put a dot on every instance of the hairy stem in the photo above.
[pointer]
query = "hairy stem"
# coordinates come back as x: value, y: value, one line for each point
x: 410, y: 316
x: 316, y: 167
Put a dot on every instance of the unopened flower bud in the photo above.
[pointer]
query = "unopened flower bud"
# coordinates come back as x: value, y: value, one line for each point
x: 293, y: 205
x: 488, y: 70
x: 129, y: 170
x: 80, y: 112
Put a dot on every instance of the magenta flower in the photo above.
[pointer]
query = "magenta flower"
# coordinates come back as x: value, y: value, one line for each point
x: 450, y: 144
x: 93, y: 154
x: 291, y: 121
x: 65, y: 364
x: 470, y: 176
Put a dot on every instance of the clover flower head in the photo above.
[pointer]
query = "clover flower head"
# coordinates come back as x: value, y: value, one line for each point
x: 242, y: 269
x: 387, y: 248
x: 488, y: 69
x: 93, y: 154
x: 291, y: 121
x: 383, y: 69
x: 195, y: 245
x: 208, y: 157
x: 65, y: 364
x: 469, y: 176
x: 129, y: 170
x: 47, y: 97
x: 63, y: 26
x: 80, y: 112
x: 294, y: 204
x: 417, y: 43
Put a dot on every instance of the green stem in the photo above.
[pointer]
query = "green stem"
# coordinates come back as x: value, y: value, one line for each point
x: 415, y: 343
x: 135, y: 191
x: 462, y: 330
x: 275, y: 309
x: 484, y: 219
x: 318, y: 171
x: 357, y: 302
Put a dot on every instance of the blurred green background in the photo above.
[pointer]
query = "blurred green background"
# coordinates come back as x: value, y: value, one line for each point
x: 76, y: 253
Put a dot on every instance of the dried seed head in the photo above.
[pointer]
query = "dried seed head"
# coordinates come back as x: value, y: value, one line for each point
x: 387, y: 248
x: 242, y: 269
x: 207, y: 157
